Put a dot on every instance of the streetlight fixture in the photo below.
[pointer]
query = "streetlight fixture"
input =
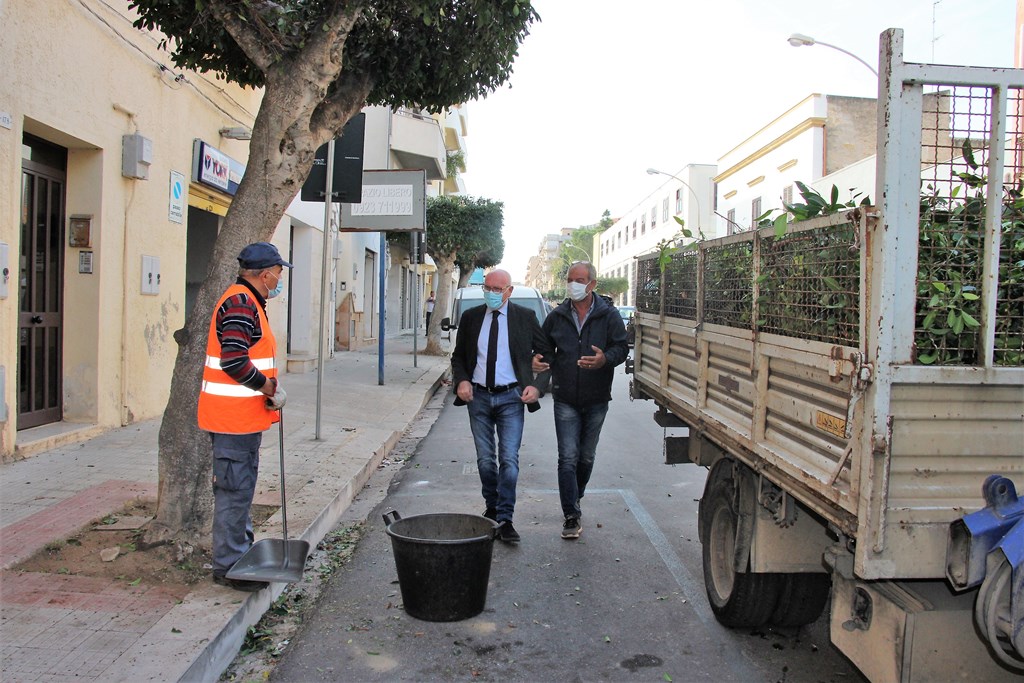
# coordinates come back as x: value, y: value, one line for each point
x: 696, y: 199
x: 800, y: 40
x: 579, y: 249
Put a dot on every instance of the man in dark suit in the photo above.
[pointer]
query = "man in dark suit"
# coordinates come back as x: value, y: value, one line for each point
x: 492, y: 375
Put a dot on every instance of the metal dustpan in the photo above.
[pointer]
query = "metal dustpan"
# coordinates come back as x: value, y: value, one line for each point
x: 273, y: 559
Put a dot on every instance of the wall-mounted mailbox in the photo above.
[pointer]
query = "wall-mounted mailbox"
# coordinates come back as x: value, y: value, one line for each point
x: 80, y: 232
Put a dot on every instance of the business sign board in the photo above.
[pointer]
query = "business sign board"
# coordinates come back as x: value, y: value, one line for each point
x: 393, y: 201
x: 214, y: 168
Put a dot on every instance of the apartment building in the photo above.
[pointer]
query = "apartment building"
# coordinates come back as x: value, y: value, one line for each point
x: 116, y: 170
x: 818, y: 136
x: 688, y: 193
x: 542, y: 270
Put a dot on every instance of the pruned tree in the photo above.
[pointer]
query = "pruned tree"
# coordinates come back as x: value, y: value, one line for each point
x: 486, y: 250
x: 457, y: 224
x: 319, y: 62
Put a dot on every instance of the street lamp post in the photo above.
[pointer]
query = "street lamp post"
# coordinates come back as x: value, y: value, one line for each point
x: 696, y: 199
x: 579, y: 249
x: 800, y: 40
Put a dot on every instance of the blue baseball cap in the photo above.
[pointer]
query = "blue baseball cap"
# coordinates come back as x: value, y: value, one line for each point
x: 261, y: 255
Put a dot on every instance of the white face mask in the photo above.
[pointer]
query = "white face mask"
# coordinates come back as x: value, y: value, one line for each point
x: 577, y: 291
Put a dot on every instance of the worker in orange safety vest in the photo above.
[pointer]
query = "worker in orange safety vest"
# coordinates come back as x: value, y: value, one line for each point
x: 239, y: 400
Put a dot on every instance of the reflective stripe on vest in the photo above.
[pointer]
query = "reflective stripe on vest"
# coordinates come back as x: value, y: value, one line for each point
x: 225, y: 406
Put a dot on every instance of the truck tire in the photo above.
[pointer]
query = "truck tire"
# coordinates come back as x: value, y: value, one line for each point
x: 738, y: 599
x: 802, y: 598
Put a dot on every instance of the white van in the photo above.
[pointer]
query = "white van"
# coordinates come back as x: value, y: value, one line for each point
x: 469, y: 297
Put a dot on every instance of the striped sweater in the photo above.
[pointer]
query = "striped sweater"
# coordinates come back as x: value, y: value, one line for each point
x: 238, y: 328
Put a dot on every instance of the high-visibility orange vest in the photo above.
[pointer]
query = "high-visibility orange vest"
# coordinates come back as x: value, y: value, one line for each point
x: 225, y: 406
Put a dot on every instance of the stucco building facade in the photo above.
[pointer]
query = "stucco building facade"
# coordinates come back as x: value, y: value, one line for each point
x: 116, y: 170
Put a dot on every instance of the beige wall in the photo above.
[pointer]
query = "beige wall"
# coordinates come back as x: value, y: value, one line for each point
x: 79, y: 75
x: 850, y: 131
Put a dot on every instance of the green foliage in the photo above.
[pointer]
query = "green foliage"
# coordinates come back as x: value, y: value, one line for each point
x: 816, y: 205
x: 612, y: 286
x: 421, y: 53
x: 455, y: 163
x: 669, y: 246
x: 465, y: 228
x: 813, y: 205
x: 950, y: 272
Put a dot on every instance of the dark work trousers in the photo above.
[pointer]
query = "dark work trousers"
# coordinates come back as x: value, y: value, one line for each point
x: 236, y: 459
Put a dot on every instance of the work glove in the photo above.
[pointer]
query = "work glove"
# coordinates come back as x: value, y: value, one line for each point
x: 277, y: 401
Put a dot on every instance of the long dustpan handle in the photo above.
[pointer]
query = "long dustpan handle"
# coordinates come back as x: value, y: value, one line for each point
x: 284, y: 504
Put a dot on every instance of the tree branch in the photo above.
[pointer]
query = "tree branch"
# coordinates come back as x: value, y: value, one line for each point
x: 250, y: 39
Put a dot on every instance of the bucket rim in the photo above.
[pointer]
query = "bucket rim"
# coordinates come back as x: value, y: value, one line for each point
x: 442, y: 541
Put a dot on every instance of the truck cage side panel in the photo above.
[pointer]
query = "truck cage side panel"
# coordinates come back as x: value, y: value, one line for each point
x: 870, y: 363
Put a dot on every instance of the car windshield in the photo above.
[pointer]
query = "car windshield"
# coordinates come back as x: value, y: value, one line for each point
x: 626, y: 311
x: 474, y: 299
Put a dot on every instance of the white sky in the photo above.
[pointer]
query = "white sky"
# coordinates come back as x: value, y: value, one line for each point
x: 603, y: 90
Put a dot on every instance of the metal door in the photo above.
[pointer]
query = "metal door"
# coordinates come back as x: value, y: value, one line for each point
x: 41, y: 285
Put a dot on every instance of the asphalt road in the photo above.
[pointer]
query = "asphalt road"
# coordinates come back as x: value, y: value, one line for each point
x: 625, y: 602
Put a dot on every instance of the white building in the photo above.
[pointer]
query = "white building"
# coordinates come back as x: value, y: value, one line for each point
x: 688, y: 195
x: 818, y: 136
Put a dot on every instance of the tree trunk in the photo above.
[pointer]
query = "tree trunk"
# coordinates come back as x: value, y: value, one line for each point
x: 445, y: 268
x: 279, y: 161
x: 464, y: 276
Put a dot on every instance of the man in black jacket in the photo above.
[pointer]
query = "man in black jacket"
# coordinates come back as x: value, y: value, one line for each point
x: 589, y: 341
x: 492, y: 375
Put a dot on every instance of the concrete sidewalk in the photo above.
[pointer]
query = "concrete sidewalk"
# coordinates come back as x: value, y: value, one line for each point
x: 55, y: 627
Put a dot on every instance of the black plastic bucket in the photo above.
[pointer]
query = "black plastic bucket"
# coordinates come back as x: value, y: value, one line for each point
x: 443, y: 562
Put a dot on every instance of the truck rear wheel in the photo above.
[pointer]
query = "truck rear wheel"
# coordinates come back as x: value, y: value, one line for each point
x: 738, y: 599
x: 802, y: 599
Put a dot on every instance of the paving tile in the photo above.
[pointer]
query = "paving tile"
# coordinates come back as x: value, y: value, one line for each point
x: 19, y: 540
x: 30, y: 624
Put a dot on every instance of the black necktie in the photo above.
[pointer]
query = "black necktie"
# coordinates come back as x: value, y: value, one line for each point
x: 492, y: 350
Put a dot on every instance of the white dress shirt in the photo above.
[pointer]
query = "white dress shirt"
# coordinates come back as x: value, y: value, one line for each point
x: 503, y: 372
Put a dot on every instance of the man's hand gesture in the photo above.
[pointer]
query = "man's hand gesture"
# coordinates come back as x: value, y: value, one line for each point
x: 592, y: 362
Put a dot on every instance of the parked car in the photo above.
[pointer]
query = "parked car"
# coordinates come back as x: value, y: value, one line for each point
x: 627, y: 319
x: 470, y: 297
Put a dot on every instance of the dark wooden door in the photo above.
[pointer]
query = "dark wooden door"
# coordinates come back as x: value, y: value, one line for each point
x: 41, y: 286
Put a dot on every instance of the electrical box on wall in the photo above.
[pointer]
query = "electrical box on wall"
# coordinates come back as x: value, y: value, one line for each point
x: 5, y: 274
x: 136, y: 156
x: 150, y: 275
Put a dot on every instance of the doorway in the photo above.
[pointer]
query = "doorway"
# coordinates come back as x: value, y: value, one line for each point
x: 369, y: 289
x: 41, y: 283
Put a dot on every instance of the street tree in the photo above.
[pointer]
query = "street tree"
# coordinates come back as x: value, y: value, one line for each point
x: 486, y: 250
x: 319, y: 62
x: 612, y: 286
x: 457, y: 224
x: 580, y: 244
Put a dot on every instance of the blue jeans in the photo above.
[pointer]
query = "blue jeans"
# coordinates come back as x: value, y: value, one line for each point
x: 499, y: 469
x: 577, y: 429
x: 236, y: 460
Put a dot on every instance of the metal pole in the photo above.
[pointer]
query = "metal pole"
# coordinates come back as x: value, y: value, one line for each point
x: 415, y: 293
x: 380, y: 308
x: 328, y: 204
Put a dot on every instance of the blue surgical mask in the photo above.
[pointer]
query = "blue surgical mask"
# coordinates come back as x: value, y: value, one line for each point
x: 276, y: 291
x: 493, y: 300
